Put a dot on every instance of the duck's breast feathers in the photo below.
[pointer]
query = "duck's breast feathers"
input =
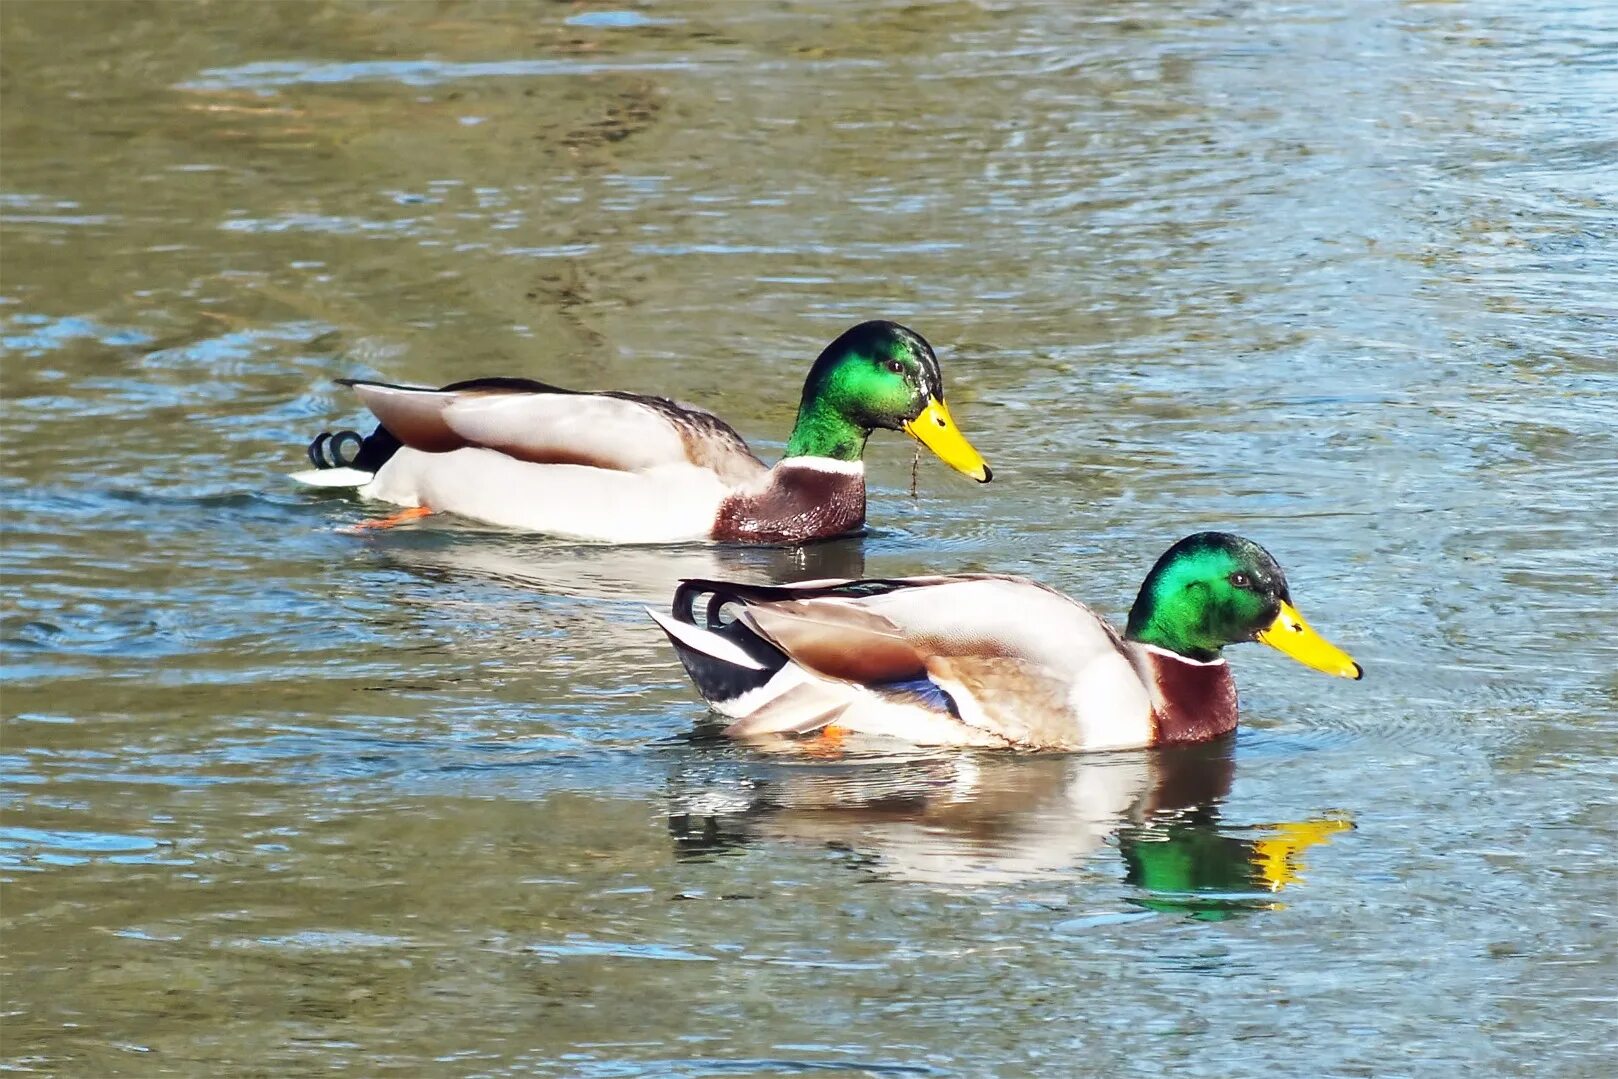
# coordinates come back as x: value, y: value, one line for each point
x: 541, y: 424
x: 800, y: 499
x: 1192, y: 700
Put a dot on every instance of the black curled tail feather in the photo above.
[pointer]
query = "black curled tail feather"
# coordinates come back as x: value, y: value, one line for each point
x: 326, y: 449
x: 346, y: 449
x: 690, y: 592
x: 718, y: 679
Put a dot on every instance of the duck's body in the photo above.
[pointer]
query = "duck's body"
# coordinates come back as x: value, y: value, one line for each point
x: 631, y: 468
x: 605, y: 466
x: 973, y: 659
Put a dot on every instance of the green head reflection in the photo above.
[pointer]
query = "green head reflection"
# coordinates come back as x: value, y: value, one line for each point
x: 1186, y: 863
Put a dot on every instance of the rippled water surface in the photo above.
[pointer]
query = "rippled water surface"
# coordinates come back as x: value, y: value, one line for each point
x: 1338, y: 276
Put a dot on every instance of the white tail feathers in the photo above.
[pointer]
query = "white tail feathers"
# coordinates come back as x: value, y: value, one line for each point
x: 333, y: 477
x: 701, y: 640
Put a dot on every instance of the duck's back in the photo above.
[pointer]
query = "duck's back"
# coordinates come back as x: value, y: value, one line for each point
x: 1040, y: 668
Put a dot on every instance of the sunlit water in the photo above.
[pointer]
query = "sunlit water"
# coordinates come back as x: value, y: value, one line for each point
x: 1340, y: 277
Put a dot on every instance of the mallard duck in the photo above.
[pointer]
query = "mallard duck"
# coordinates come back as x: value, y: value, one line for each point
x: 629, y: 468
x: 989, y: 660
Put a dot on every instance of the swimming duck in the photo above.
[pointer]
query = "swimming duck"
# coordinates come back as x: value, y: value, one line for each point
x: 630, y: 468
x: 989, y: 660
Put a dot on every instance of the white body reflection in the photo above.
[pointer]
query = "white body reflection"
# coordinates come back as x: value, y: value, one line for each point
x: 983, y: 819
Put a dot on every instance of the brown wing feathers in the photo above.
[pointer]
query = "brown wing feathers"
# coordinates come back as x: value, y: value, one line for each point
x: 837, y: 641
x: 620, y: 431
x: 412, y: 416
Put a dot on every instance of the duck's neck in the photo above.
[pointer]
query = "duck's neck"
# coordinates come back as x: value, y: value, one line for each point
x: 1192, y: 701
x: 823, y: 431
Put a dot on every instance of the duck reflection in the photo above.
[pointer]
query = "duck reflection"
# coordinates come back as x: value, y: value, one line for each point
x: 972, y: 820
x: 646, y: 575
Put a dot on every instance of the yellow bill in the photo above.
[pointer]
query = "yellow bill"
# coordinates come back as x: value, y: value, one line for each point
x: 936, y: 430
x: 1290, y: 634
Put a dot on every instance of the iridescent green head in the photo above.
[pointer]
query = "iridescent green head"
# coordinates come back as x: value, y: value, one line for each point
x: 1212, y: 589
x: 879, y: 374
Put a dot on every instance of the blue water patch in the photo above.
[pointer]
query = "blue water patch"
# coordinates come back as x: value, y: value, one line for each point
x: 210, y: 352
x: 270, y: 75
x: 612, y: 20
x: 579, y: 947
x: 22, y: 847
x: 305, y: 222
x: 35, y: 335
x: 331, y: 940
x: 25, y: 209
x: 587, y: 1066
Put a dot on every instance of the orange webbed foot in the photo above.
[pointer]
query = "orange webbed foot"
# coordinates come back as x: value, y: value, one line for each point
x: 826, y: 742
x: 376, y: 524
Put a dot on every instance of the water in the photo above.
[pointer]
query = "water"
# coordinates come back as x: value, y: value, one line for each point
x: 1338, y: 277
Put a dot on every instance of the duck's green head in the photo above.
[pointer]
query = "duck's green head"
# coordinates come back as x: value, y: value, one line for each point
x: 879, y: 374
x: 1213, y: 589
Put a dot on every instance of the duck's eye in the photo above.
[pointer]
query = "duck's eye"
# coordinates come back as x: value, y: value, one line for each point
x: 896, y: 367
x: 1241, y: 580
